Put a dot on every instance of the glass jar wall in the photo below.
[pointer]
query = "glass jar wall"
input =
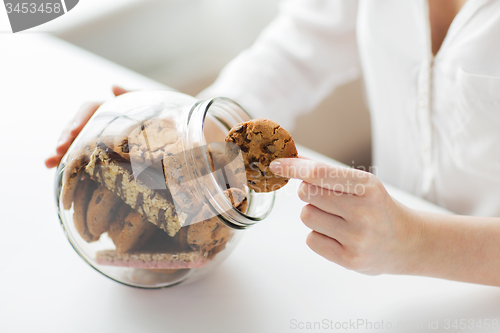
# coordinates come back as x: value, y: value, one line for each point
x: 150, y: 195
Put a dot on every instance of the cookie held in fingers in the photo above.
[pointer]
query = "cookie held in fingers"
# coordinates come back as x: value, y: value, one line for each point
x: 101, y: 210
x: 84, y: 189
x: 262, y: 141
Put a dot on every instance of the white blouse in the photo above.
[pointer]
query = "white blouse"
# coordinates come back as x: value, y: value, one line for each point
x: 435, y: 120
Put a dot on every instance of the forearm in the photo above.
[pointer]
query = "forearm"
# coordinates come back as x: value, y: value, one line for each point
x: 462, y: 248
x: 307, y: 51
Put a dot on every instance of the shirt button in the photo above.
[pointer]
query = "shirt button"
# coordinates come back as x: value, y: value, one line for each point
x: 424, y: 147
x: 422, y: 104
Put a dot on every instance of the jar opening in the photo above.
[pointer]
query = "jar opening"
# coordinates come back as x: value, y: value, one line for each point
x: 207, y: 125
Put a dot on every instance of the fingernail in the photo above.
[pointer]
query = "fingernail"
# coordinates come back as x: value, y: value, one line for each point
x: 275, y: 166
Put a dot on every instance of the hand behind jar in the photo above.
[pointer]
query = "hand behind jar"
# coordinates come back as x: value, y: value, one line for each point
x: 74, y: 128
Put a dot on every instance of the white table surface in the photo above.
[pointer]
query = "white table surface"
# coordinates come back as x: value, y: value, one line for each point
x: 271, y: 283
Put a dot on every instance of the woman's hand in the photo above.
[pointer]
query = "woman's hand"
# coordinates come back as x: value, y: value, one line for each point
x: 74, y: 128
x: 355, y: 222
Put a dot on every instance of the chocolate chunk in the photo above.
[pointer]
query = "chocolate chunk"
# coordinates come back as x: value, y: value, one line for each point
x: 118, y: 185
x: 239, y: 129
x: 161, y: 217
x: 139, y: 201
x: 98, y: 199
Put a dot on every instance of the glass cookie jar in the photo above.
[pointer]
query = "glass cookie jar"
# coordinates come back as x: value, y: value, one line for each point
x: 150, y: 195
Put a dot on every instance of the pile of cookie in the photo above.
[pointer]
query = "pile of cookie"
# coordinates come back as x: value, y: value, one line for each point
x: 134, y: 187
x: 131, y: 187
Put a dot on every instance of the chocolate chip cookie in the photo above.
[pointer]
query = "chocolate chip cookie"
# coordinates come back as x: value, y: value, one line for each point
x: 209, y: 233
x: 116, y: 226
x: 101, y: 210
x: 84, y: 189
x: 146, y: 143
x: 73, y: 172
x: 238, y: 199
x: 134, y: 231
x: 178, y: 177
x: 261, y: 141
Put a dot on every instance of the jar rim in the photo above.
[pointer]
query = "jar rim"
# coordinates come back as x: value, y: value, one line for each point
x: 228, y: 113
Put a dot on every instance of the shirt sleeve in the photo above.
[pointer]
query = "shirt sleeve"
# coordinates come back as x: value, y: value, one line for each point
x: 308, y: 50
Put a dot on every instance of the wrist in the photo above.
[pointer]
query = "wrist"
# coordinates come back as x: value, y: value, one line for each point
x: 413, y: 240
